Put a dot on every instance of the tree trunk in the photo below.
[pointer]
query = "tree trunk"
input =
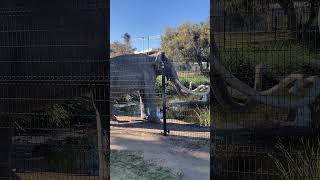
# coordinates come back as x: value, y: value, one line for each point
x: 203, y: 71
x: 201, y: 67
x: 288, y: 7
x: 313, y: 15
x: 102, y: 145
x: 307, y: 28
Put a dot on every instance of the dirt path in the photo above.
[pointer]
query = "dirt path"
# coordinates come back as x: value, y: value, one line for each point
x: 188, y: 156
x: 176, y: 127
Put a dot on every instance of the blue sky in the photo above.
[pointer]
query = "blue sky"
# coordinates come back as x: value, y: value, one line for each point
x: 151, y: 17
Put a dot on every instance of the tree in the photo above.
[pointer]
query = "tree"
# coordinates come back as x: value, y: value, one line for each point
x: 188, y: 43
x: 117, y: 48
x: 127, y: 38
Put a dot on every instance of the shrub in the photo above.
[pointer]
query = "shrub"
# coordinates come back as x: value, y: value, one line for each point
x: 203, y: 116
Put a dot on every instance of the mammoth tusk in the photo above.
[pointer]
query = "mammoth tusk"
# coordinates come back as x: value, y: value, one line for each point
x: 265, y: 97
x: 201, y: 88
x: 187, y: 91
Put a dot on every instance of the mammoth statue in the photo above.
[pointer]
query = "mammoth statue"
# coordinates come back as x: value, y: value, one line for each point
x: 237, y: 96
x: 138, y: 72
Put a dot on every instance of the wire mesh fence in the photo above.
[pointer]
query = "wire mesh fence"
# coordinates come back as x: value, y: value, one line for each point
x: 54, y: 95
x: 266, y: 68
x: 190, y: 115
x: 139, y: 95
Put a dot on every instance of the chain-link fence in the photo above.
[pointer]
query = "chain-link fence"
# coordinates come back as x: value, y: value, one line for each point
x: 266, y: 87
x: 54, y: 95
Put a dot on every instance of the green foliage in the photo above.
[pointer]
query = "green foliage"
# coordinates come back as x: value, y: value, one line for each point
x: 188, y: 43
x: 203, y: 116
x: 118, y: 48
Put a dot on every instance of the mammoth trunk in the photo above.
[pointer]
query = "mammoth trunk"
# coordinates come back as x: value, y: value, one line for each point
x: 178, y: 87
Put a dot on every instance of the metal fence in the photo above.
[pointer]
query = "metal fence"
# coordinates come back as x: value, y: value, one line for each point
x: 266, y: 119
x: 53, y: 80
x: 140, y: 96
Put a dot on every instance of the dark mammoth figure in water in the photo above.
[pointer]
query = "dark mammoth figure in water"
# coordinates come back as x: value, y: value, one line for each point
x: 138, y: 72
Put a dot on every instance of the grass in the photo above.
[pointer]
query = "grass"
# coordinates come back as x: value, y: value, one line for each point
x: 242, y: 51
x: 196, y: 78
x: 203, y: 116
x: 292, y: 164
x: 198, y: 116
x: 130, y: 165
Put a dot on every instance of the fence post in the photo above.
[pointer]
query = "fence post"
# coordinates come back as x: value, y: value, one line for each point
x: 275, y: 28
x: 164, y: 102
x: 224, y: 31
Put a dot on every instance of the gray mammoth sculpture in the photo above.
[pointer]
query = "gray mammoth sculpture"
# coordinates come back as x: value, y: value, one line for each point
x: 138, y: 72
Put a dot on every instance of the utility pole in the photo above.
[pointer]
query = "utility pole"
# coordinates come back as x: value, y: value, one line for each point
x: 148, y: 46
x: 148, y: 38
x: 142, y: 44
